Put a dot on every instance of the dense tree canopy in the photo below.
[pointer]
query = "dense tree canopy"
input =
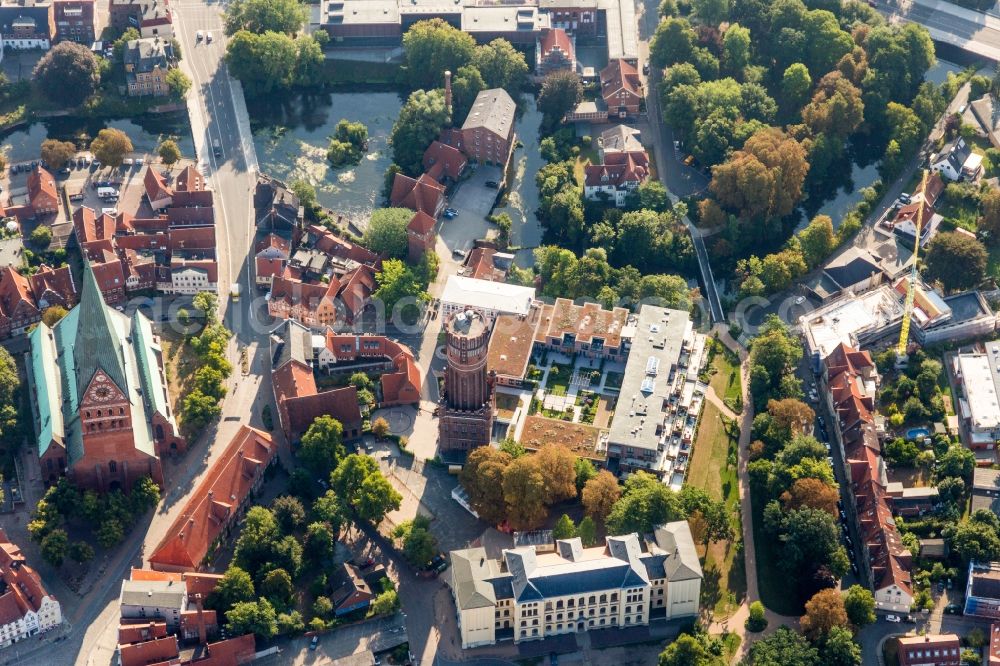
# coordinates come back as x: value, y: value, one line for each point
x: 260, y: 16
x: 420, y: 121
x: 111, y: 146
x: 386, y: 232
x: 432, y: 47
x: 68, y: 73
x: 957, y: 260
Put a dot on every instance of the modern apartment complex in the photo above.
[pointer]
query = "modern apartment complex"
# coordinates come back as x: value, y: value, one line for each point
x: 531, y: 595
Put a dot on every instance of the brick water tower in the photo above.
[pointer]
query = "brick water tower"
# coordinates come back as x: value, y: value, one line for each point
x: 467, y: 405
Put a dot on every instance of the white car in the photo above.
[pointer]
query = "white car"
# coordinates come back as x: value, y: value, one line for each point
x: 128, y: 161
x: 208, y: 37
x: 198, y: 35
x: 800, y: 300
x: 893, y: 618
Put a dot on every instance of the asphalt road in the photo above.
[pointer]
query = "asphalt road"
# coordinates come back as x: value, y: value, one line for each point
x: 972, y: 31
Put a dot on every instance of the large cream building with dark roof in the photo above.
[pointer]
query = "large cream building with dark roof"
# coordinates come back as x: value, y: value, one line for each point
x: 530, y: 595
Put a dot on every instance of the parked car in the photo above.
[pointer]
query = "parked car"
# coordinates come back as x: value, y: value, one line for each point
x: 799, y: 300
x: 645, y: 68
x: 128, y: 162
x: 905, y: 197
x: 313, y: 643
x: 689, y: 160
x: 199, y: 35
x: 492, y: 183
x: 893, y: 618
x: 458, y: 254
x: 208, y: 37
x: 450, y: 213
x: 854, y: 568
x: 953, y: 609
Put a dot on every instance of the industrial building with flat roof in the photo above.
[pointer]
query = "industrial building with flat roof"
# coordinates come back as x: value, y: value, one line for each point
x: 660, y: 397
x: 383, y: 22
x: 978, y: 375
x: 489, y: 298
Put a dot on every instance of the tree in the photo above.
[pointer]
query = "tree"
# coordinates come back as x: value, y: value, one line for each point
x: 322, y: 446
x: 419, y: 545
x: 839, y: 648
x: 41, y: 236
x: 329, y: 509
x: 561, y: 92
x: 386, y: 232
x: 812, y: 493
x: 526, y: 493
x: 718, y: 525
x: 817, y: 240
x: 600, y: 494
x: 256, y: 543
x: 466, y: 84
x: 169, y: 152
x: 501, y: 65
x: 859, y: 604
x: 377, y: 497
x: 757, y: 618
x: 686, y: 650
x: 68, y: 73
x: 737, y: 48
x: 397, y: 282
x: 783, y: 648
x: 380, y: 428
x: 645, y: 503
x: 836, y: 108
x: 564, y: 528
x: 289, y: 513
x: 178, y: 82
x: 111, y: 146
x: 811, y: 540
x: 558, y: 465
x: 110, y: 533
x: 55, y: 153
x: 432, y: 47
x: 55, y: 547
x: 420, y: 121
x: 653, y: 196
x: 260, y: 16
x: 957, y: 260
x: 482, y: 479
x: 823, y: 612
x: 384, y: 604
x: 262, y: 62
x: 253, y: 617
x: 319, y: 542
x: 711, y: 12
x: 587, y: 531
x: 81, y: 552
x: 989, y: 222
x: 765, y: 178
x: 957, y: 461
x: 309, y: 61
x: 277, y: 587
x: 974, y: 540
x: 207, y: 303
x: 673, y: 42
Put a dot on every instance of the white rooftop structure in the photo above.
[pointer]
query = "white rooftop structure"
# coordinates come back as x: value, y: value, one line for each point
x: 979, y: 406
x: 485, y: 296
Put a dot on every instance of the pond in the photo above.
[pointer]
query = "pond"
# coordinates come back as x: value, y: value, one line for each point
x: 521, y: 201
x: 146, y: 133
x: 849, y: 195
x: 292, y: 135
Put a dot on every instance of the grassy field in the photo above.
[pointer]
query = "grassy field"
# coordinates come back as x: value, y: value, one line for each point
x: 726, y: 380
x: 179, y: 363
x: 713, y: 468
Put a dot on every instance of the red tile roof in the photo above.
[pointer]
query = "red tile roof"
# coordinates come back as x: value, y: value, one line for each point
x: 155, y: 185
x: 16, y: 300
x: 216, y: 500
x: 192, y: 238
x: 273, y: 242
x: 421, y: 223
x: 190, y: 180
x: 620, y: 76
x: 230, y: 652
x: 269, y: 268
x: 421, y: 194
x: 557, y: 39
x: 137, y: 633
x: 440, y: 159
x: 53, y: 285
x: 24, y: 585
x: 42, y: 192
x: 150, y: 652
x: 326, y: 241
x: 618, y: 169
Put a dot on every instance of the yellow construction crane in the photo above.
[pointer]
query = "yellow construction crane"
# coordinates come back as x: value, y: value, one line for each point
x: 904, y: 331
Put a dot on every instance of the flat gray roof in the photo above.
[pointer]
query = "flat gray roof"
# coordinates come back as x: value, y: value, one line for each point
x: 654, y: 357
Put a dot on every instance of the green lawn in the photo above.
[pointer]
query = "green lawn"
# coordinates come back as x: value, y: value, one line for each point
x: 713, y: 469
x: 559, y: 376
x: 725, y: 370
x: 586, y: 156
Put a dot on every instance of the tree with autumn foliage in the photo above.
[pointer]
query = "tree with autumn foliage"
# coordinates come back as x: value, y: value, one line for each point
x: 600, y: 494
x: 482, y: 479
x: 525, y: 491
x: 812, y: 493
x: 823, y: 612
x: 557, y: 465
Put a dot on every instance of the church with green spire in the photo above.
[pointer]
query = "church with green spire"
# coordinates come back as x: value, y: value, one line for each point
x: 99, y: 396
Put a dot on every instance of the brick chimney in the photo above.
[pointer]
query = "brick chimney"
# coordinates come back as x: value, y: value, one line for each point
x: 202, y: 632
x: 447, y: 91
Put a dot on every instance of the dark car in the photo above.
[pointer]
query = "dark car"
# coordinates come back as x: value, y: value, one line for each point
x: 953, y: 609
x: 492, y: 183
x: 854, y: 568
x: 313, y: 643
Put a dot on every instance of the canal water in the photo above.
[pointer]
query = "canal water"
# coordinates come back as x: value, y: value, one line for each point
x: 146, y: 132
x: 291, y: 136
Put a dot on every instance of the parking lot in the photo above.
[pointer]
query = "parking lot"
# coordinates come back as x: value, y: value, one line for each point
x: 472, y: 200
